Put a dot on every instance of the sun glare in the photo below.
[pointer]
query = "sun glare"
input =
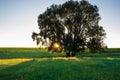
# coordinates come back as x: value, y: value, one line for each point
x: 56, y: 45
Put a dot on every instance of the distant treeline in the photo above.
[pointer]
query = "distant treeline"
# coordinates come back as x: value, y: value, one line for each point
x: 113, y: 50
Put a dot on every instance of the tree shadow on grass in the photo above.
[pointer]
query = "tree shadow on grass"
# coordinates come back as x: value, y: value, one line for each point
x: 37, y: 69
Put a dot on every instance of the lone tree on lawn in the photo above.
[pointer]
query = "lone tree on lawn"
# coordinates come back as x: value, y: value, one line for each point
x: 73, y: 25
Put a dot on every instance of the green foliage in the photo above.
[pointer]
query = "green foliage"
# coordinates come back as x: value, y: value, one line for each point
x: 72, y: 24
x: 83, y: 67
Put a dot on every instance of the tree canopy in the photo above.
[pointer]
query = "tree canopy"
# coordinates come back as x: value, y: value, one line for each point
x: 73, y: 24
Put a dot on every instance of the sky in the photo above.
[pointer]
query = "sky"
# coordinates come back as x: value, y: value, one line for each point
x: 18, y: 19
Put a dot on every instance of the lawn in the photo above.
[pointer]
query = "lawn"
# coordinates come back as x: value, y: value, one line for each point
x: 38, y: 64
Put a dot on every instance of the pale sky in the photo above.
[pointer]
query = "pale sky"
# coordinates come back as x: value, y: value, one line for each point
x: 18, y: 19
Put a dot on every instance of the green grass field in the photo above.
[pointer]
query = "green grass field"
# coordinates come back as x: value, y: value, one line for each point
x: 38, y: 64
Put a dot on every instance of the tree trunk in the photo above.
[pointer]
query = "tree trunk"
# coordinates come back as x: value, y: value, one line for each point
x: 73, y: 54
x: 68, y: 54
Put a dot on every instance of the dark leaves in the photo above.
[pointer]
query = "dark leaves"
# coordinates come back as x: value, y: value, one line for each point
x: 75, y: 25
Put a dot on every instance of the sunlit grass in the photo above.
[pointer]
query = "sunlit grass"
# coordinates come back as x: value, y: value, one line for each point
x: 110, y: 58
x: 66, y: 58
x: 9, y: 62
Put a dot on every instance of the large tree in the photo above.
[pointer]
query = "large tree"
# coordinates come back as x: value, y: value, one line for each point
x: 73, y: 25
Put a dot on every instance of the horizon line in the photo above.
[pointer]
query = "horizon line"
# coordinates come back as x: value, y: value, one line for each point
x: 32, y: 47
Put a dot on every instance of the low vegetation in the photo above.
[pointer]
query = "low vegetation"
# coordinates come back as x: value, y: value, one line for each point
x: 38, y: 64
